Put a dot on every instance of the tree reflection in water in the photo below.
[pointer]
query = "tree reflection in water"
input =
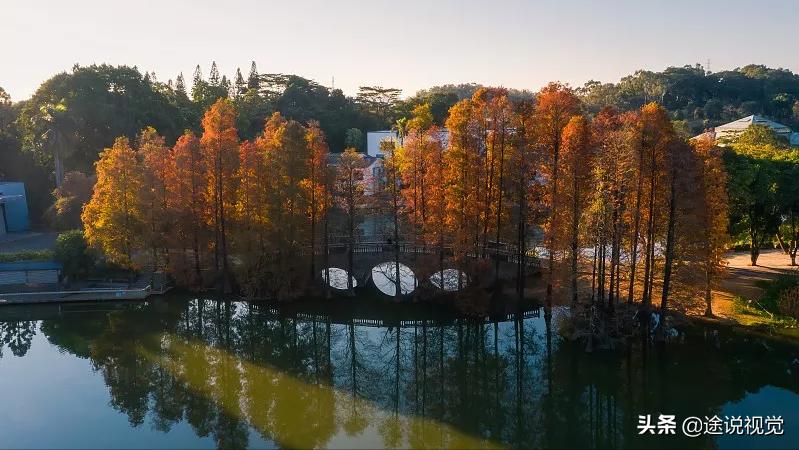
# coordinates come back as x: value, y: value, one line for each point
x: 17, y: 336
x: 303, y: 380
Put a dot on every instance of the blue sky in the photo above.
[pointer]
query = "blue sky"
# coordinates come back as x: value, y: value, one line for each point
x: 406, y: 44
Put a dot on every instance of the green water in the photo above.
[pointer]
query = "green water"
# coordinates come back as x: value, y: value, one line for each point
x: 182, y: 372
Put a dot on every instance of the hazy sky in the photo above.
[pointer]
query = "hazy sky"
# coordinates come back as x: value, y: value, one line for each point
x: 408, y: 44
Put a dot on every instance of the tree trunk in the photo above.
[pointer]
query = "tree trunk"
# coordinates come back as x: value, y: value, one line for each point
x: 794, y: 242
x: 58, y: 164
x: 574, y: 237
x: 226, y: 286
x: 326, y: 254
x: 649, y: 263
x: 614, y: 255
x: 500, y: 183
x: 350, y: 249
x: 754, y: 246
x: 593, y: 272
x: 636, y: 226
x: 398, y: 279
x: 553, y: 215
x: 312, y: 267
x: 521, y: 251
x: 708, y: 297
x: 669, y: 244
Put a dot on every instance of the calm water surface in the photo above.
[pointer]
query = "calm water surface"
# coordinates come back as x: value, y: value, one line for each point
x: 182, y: 372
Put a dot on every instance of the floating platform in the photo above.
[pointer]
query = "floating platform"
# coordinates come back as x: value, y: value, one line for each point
x: 85, y: 295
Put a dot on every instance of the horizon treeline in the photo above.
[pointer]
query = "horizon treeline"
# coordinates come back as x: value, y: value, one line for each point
x: 539, y: 179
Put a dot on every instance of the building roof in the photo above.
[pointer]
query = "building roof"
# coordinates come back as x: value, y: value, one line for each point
x: 732, y: 129
x: 6, y: 198
x: 29, y: 265
x: 745, y: 122
x: 334, y: 159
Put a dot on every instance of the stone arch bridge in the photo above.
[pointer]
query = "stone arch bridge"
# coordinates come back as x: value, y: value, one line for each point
x: 423, y: 259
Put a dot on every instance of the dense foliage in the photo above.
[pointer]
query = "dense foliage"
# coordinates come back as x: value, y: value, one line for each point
x: 73, y: 253
x: 565, y: 166
x: 514, y: 177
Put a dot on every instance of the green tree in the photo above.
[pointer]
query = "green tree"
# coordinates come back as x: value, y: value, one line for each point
x: 379, y: 101
x: 73, y: 116
x: 253, y: 81
x: 73, y: 253
x: 787, y: 197
x: 355, y: 139
x: 752, y: 187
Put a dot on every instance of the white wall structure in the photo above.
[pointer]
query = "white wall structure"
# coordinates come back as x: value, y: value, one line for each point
x: 373, y: 175
x: 374, y: 138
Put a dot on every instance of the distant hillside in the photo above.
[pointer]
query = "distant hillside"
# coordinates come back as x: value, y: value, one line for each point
x: 704, y: 99
x: 700, y: 98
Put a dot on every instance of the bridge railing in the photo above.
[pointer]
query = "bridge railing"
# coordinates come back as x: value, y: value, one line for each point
x: 372, y: 244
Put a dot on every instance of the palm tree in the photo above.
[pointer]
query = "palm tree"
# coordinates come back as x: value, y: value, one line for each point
x: 55, y: 135
x: 401, y: 128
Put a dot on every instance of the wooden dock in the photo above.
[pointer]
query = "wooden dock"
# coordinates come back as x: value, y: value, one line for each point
x: 85, y: 295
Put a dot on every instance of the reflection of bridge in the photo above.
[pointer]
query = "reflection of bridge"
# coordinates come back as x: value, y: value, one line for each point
x: 410, y: 323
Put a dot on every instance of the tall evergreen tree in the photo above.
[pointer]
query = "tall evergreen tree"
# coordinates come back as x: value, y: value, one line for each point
x: 239, y: 84
x: 213, y: 76
x: 253, y: 81
x: 180, y: 84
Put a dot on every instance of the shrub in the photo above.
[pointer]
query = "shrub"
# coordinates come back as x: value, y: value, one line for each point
x: 73, y: 253
x: 789, y: 302
x: 69, y: 199
x: 774, y: 289
x: 27, y: 255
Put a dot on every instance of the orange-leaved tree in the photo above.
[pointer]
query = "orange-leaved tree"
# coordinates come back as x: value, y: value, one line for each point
x: 251, y: 200
x: 189, y: 205
x: 555, y: 105
x: 315, y: 185
x: 113, y: 220
x: 156, y: 161
x: 714, y: 215
x: 220, y: 145
x: 576, y: 158
x: 350, y: 198
x: 462, y: 181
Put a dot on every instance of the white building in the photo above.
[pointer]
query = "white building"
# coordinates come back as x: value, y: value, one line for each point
x: 373, y: 175
x: 374, y: 138
x: 372, y: 172
x: 729, y: 131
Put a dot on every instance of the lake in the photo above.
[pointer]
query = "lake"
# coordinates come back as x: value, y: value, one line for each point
x: 183, y: 372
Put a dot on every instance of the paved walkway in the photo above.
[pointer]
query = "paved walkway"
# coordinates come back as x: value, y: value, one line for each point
x: 742, y: 278
x: 31, y: 240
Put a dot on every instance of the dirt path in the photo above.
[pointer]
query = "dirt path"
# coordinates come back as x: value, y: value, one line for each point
x: 741, y: 279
